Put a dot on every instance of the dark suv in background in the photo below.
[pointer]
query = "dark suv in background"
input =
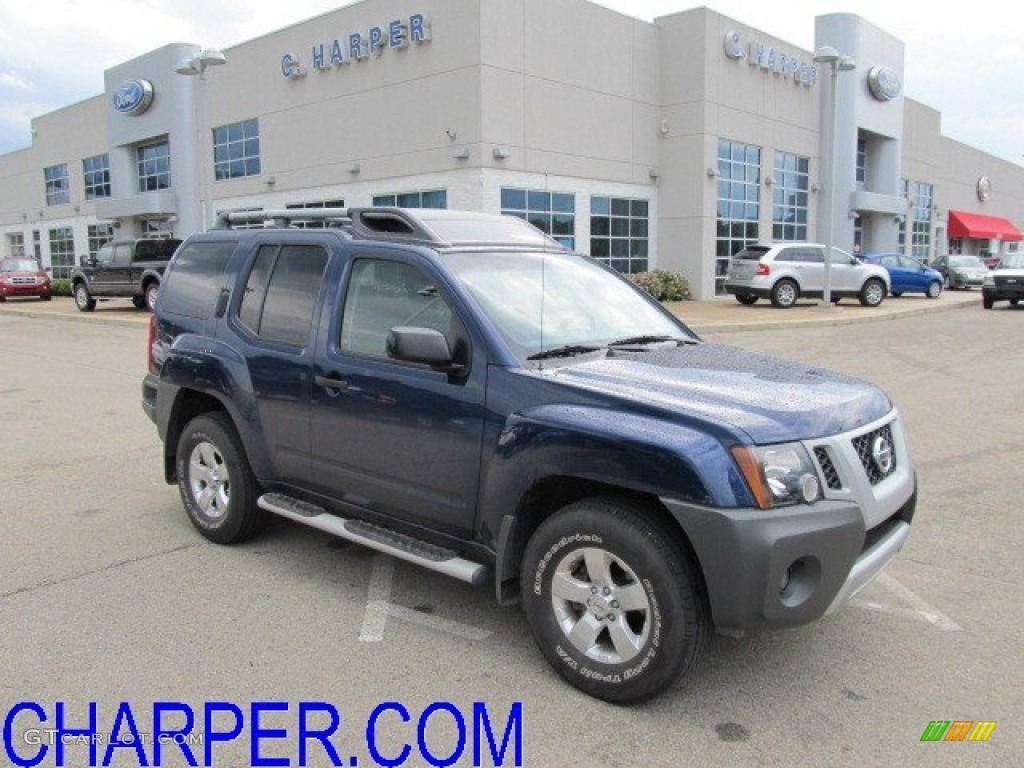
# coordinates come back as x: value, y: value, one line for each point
x: 123, y: 269
x: 460, y: 391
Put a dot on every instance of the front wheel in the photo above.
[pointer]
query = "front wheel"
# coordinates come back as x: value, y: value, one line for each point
x: 872, y: 293
x: 986, y: 302
x: 83, y: 300
x: 138, y: 302
x: 613, y: 602
x: 217, y: 486
x: 934, y: 289
x: 1014, y: 302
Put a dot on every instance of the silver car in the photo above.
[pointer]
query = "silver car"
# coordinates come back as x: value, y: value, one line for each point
x: 785, y: 272
x: 961, y: 270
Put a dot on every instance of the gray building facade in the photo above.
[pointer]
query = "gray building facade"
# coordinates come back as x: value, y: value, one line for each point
x: 649, y: 145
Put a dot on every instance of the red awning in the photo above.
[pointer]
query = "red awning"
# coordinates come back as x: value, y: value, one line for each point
x: 974, y: 225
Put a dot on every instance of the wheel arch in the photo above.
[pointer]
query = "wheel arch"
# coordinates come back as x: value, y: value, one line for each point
x: 547, y: 496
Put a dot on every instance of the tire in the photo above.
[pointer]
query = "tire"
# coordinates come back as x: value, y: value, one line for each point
x: 785, y: 293
x: 47, y: 297
x: 934, y: 289
x: 872, y: 293
x: 152, y: 291
x: 621, y: 655
x: 1014, y: 302
x: 217, y: 486
x: 986, y: 302
x: 138, y: 302
x: 84, y: 301
x: 897, y: 294
x: 746, y: 298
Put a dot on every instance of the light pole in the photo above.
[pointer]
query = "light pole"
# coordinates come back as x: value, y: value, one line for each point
x: 837, y: 63
x: 196, y: 67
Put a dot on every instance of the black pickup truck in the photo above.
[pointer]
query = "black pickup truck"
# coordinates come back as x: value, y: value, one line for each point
x: 123, y: 269
x: 459, y: 391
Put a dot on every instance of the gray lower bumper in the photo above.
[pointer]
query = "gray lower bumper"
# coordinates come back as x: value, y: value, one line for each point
x: 786, y: 567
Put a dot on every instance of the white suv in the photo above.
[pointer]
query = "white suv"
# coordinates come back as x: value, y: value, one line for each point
x: 785, y: 272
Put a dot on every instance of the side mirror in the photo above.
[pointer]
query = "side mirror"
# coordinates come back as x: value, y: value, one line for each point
x: 91, y: 261
x: 425, y: 346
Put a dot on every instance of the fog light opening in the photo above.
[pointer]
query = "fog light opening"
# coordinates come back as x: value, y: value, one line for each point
x: 810, y: 488
x: 799, y: 581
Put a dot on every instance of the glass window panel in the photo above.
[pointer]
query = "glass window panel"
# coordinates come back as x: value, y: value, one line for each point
x: 563, y: 203
x: 599, y: 205
x: 620, y: 227
x: 620, y: 207
x: 600, y: 248
x: 538, y: 201
x: 513, y: 199
x: 638, y: 208
x: 600, y: 225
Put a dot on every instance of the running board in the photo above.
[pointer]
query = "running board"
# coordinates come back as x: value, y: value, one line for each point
x: 376, y: 537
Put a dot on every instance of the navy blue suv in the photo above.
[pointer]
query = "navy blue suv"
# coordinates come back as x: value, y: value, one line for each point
x: 458, y: 390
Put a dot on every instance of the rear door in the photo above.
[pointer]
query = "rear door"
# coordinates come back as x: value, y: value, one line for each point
x: 806, y: 263
x: 399, y: 439
x: 273, y: 318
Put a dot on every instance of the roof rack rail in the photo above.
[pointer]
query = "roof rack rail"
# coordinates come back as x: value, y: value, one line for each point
x: 280, y: 217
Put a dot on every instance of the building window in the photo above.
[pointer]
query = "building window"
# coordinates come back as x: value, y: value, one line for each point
x: 862, y: 157
x: 236, y: 150
x: 921, y: 234
x: 553, y: 213
x: 96, y: 172
x: 15, y: 245
x: 434, y: 198
x: 739, y: 189
x: 312, y: 223
x: 62, y: 251
x: 619, y: 232
x: 58, y: 191
x: 789, y: 197
x: 154, y: 166
x: 99, y: 235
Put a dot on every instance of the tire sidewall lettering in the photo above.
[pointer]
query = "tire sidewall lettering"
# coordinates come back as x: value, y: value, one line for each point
x: 562, y: 543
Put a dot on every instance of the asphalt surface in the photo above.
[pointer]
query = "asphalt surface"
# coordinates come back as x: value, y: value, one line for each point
x: 108, y: 595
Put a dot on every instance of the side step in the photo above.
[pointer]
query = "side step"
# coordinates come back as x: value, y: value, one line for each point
x: 376, y: 537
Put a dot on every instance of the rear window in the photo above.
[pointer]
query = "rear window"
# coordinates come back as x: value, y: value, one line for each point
x: 752, y: 253
x: 155, y: 250
x: 194, y: 281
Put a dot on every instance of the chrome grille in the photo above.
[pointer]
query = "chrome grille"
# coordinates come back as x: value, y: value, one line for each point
x: 876, y: 470
x: 23, y: 280
x: 828, y: 469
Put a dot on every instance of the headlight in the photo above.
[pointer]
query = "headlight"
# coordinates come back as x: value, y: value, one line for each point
x: 778, y: 475
x: 988, y: 279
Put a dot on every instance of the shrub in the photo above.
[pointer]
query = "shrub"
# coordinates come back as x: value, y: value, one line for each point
x: 60, y: 286
x: 663, y: 284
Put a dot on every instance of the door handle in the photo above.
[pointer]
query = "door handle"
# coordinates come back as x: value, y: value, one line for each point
x: 331, y: 382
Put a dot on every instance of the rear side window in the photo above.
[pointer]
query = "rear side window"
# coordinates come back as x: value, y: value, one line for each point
x: 281, y: 292
x: 155, y: 250
x: 194, y: 282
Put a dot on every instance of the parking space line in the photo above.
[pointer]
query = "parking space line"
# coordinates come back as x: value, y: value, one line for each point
x: 919, y: 609
x: 379, y: 607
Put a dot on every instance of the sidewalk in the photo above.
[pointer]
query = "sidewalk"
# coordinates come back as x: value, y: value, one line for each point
x: 721, y: 315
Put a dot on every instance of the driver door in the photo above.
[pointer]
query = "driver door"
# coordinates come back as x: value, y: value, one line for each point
x: 400, y: 439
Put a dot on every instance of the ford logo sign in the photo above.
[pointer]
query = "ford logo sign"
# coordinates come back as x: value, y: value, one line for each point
x: 883, y: 83
x: 133, y: 97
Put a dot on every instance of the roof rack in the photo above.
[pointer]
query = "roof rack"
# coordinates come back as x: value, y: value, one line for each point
x: 428, y: 226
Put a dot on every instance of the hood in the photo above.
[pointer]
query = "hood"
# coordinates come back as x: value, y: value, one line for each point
x: 770, y: 399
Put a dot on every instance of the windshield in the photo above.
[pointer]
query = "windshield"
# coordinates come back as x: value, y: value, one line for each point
x: 18, y: 265
x: 1012, y: 261
x: 545, y: 301
x: 972, y: 262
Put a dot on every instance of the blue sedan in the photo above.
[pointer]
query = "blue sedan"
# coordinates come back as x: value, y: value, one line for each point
x: 908, y: 275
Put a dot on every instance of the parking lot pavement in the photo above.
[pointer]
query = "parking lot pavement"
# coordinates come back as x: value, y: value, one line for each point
x: 107, y: 595
x: 714, y: 316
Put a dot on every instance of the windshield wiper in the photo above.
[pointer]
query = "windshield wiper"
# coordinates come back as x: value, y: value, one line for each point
x: 638, y: 340
x: 569, y: 350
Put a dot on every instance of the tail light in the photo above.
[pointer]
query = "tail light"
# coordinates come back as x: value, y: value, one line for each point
x: 763, y: 270
x: 150, y: 341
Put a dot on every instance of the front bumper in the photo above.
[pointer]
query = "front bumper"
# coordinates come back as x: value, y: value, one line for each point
x: 24, y: 291
x: 1003, y: 292
x: 782, y: 568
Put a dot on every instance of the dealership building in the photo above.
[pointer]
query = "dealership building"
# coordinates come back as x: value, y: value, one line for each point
x: 668, y: 145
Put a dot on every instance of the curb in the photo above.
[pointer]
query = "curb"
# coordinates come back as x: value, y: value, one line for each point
x: 41, y: 310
